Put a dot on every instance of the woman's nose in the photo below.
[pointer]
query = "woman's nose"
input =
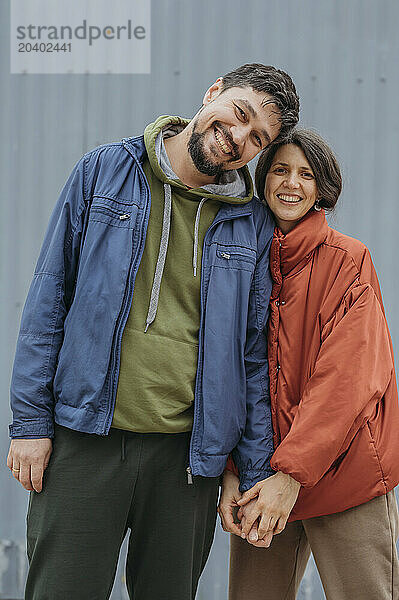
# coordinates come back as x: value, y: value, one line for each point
x: 292, y: 181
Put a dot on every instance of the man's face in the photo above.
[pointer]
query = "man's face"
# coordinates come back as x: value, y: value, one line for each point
x: 231, y: 128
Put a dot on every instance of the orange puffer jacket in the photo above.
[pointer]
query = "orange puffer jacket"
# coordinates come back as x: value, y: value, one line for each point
x: 332, y: 380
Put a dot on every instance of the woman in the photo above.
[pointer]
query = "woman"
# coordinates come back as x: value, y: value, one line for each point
x: 333, y: 397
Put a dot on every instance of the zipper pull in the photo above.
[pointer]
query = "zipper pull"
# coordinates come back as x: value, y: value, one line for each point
x: 225, y: 255
x: 124, y: 217
x: 189, y: 476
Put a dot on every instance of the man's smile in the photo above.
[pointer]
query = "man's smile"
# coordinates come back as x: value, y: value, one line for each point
x: 222, y: 142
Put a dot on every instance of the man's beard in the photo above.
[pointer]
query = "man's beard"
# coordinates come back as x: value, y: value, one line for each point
x: 196, y: 148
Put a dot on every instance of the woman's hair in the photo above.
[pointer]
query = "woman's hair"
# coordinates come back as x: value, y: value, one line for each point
x: 321, y: 159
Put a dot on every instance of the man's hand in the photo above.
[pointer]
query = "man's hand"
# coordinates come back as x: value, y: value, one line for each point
x: 276, y: 497
x: 28, y: 459
x: 228, y: 502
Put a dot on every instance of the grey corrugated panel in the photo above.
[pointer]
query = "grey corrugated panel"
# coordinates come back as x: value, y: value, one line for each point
x: 35, y: 157
x: 343, y: 57
x: 11, y: 499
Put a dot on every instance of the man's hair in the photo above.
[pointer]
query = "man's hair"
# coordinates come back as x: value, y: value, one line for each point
x: 269, y: 80
x: 321, y: 159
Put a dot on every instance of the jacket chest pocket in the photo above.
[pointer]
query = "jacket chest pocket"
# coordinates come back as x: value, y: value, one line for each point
x: 235, y: 257
x: 113, y: 212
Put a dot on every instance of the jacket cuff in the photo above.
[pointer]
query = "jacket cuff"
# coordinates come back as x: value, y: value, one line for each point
x: 249, y: 478
x: 32, y: 429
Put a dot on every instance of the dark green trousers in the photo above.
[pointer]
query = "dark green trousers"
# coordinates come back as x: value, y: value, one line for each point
x: 95, y: 490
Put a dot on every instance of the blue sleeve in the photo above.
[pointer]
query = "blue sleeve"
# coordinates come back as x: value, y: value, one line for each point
x: 42, y: 325
x: 253, y: 452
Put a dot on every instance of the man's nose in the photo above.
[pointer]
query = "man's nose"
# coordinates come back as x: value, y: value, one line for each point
x: 239, y: 133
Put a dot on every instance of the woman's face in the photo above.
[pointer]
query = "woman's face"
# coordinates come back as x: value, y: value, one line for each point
x: 290, y: 186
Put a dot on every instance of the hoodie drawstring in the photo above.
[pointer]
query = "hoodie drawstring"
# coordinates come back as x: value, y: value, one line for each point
x: 196, y: 228
x: 163, y: 248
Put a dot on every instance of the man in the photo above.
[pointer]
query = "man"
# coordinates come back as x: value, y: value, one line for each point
x: 142, y: 349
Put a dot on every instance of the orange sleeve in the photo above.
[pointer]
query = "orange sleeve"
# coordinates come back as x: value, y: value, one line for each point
x: 352, y: 372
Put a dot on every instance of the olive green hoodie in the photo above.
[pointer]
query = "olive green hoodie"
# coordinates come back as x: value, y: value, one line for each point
x: 160, y: 341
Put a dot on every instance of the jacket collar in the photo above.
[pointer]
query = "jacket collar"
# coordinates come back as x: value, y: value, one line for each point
x: 299, y: 243
x: 136, y: 147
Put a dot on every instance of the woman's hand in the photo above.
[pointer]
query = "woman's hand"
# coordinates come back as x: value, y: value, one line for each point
x: 228, y: 502
x: 253, y: 537
x: 276, y: 497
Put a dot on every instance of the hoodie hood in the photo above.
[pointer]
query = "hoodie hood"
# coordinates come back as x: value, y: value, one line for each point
x: 234, y: 187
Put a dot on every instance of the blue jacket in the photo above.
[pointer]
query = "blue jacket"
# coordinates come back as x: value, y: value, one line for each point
x: 68, y: 351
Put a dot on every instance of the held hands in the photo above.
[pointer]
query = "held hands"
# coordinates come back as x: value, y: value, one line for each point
x: 263, y: 510
x: 28, y: 460
x: 253, y: 537
x: 266, y: 507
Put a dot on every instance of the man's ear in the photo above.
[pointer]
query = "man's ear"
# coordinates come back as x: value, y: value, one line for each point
x: 214, y: 91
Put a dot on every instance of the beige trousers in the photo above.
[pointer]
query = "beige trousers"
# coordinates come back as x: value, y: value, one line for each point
x: 355, y: 553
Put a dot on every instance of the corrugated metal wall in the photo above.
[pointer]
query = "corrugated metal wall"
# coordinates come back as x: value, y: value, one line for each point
x: 343, y: 56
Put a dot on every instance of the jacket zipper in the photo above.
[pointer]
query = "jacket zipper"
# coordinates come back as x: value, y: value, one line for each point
x: 277, y: 428
x: 189, y: 476
x: 197, y: 395
x: 111, y: 212
x: 234, y: 255
x: 82, y: 241
x: 117, y: 337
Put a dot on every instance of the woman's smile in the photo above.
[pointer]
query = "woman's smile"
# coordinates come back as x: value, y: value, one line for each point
x: 290, y: 199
